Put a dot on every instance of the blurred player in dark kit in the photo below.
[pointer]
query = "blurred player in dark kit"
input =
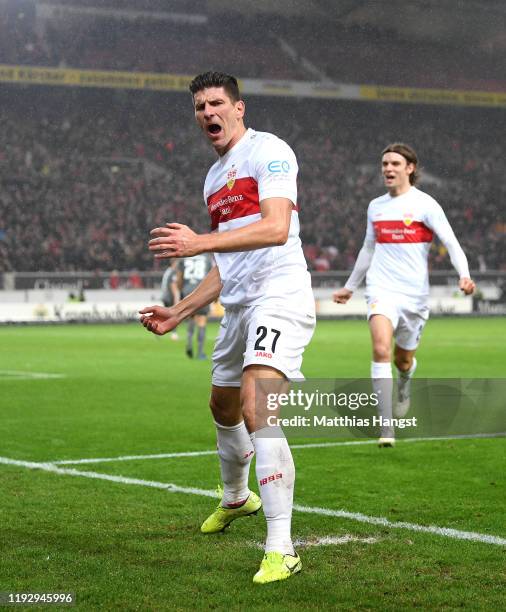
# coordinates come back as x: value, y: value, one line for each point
x: 170, y: 289
x: 193, y: 270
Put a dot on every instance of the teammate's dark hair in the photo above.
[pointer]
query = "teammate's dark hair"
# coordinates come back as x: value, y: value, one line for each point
x: 409, y: 155
x: 216, y: 79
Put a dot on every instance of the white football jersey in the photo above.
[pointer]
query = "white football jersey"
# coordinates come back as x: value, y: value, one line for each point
x: 257, y: 167
x: 403, y: 228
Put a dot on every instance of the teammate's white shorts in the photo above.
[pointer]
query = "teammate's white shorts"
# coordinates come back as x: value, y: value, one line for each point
x: 264, y: 335
x: 408, y: 317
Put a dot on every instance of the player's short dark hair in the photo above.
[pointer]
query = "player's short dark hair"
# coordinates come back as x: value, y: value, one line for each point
x: 409, y: 155
x: 216, y: 79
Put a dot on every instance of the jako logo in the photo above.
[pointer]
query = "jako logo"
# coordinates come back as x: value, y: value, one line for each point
x: 278, y: 166
x: 263, y: 354
x: 272, y: 478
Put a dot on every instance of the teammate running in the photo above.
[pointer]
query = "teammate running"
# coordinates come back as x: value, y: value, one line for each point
x: 193, y: 271
x: 400, y: 228
x: 262, y: 280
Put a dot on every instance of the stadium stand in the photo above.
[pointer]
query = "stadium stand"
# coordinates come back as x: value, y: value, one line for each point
x: 250, y: 46
x: 86, y: 174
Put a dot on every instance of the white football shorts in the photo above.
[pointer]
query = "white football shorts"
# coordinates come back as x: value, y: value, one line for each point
x: 408, y: 317
x: 270, y: 335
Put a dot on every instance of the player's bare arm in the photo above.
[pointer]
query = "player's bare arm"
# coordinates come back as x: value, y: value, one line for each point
x: 176, y: 240
x: 160, y: 320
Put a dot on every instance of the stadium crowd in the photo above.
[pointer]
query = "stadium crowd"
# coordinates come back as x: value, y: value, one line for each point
x: 86, y: 175
x: 253, y: 47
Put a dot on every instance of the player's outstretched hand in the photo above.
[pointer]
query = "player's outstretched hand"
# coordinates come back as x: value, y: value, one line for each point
x: 467, y: 285
x: 341, y: 296
x: 158, y: 319
x: 174, y: 240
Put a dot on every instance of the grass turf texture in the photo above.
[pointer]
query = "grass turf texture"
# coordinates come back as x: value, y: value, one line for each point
x: 123, y: 547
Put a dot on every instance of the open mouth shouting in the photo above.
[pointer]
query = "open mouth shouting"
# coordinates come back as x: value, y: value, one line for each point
x: 214, y: 130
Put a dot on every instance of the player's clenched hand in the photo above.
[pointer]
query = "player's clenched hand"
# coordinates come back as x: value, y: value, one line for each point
x: 158, y: 319
x: 341, y: 296
x: 467, y: 285
x: 174, y: 240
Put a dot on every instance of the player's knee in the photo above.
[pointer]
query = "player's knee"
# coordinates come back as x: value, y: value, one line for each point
x: 381, y: 351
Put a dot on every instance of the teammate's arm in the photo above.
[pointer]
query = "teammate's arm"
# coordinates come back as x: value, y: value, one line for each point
x: 160, y: 320
x: 341, y: 296
x: 438, y: 222
x: 176, y: 240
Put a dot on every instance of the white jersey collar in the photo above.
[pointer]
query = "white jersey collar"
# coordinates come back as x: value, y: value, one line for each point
x: 238, y: 145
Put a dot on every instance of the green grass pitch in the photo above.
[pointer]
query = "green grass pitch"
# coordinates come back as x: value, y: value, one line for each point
x: 121, y: 546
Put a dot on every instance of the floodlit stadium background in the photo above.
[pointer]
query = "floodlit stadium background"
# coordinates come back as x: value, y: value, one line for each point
x: 98, y: 143
x: 107, y: 458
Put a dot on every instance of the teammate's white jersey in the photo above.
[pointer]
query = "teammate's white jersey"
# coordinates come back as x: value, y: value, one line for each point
x: 401, y: 229
x: 257, y: 167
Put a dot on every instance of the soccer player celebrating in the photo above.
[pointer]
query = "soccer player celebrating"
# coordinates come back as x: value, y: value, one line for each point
x: 262, y: 280
x: 400, y: 228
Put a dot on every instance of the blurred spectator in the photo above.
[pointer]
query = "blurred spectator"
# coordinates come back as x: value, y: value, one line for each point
x: 135, y: 280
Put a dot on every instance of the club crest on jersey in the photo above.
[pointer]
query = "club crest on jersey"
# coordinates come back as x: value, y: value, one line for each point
x: 407, y: 219
x: 231, y: 174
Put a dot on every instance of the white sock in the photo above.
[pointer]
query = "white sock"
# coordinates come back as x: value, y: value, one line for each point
x: 404, y: 390
x: 382, y: 384
x: 275, y: 473
x: 235, y: 451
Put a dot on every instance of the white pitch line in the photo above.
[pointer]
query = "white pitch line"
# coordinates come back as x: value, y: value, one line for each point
x: 332, y: 540
x: 356, y: 516
x: 49, y: 467
x: 292, y: 446
x: 448, y: 532
x: 326, y: 541
x: 134, y: 457
x: 25, y: 375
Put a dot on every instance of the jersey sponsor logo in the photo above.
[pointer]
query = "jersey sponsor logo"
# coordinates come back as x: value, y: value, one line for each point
x: 407, y: 219
x: 263, y: 354
x: 226, y: 200
x: 271, y: 478
x: 231, y: 174
x: 397, y: 232
x: 233, y: 203
x: 276, y: 166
